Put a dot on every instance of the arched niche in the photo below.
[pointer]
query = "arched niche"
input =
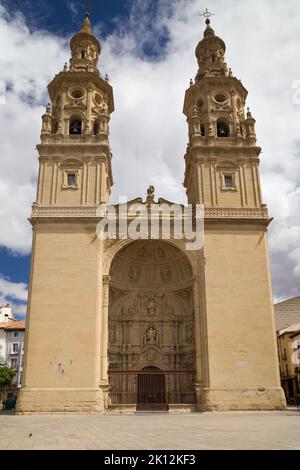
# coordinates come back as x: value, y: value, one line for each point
x: 151, y: 320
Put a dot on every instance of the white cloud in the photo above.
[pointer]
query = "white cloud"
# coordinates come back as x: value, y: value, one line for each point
x: 73, y: 7
x: 27, y: 63
x: 148, y: 129
x: 14, y: 294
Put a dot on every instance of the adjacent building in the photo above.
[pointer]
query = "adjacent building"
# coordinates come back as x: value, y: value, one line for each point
x: 12, y: 334
x: 287, y: 318
x: 289, y: 360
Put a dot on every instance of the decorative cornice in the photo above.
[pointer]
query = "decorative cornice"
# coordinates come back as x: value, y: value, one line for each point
x: 90, y: 212
x: 63, y: 211
x: 236, y: 213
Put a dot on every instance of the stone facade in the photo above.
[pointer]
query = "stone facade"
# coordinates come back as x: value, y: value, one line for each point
x: 101, y: 312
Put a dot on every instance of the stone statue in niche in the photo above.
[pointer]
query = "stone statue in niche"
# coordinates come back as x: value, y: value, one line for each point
x: 151, y: 307
x: 151, y: 336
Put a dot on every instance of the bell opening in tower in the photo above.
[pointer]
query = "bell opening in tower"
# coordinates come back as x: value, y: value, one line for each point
x: 222, y: 129
x: 75, y: 127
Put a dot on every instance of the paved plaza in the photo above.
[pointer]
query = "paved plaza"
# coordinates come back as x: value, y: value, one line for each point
x: 208, y: 431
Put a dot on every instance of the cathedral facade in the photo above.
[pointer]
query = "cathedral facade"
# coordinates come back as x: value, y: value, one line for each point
x: 122, y: 324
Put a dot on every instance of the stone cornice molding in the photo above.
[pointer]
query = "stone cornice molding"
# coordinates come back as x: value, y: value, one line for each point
x: 67, y: 213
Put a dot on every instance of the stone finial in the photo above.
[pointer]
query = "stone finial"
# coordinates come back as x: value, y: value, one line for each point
x: 65, y: 67
x: 209, y: 32
x: 106, y: 78
x: 86, y: 26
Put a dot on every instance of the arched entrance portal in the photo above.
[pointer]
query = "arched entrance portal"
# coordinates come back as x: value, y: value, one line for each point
x: 151, y: 351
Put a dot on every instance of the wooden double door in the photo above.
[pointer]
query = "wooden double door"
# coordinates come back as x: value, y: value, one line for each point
x: 151, y: 390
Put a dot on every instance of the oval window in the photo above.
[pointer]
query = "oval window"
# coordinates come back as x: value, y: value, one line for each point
x: 220, y: 98
x: 77, y: 94
x: 98, y: 99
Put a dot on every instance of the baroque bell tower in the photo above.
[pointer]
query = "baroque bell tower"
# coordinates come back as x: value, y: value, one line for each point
x: 75, y: 158
x: 222, y: 158
x: 65, y: 305
x: 222, y: 174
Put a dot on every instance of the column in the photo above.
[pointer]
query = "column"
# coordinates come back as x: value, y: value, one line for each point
x: 103, y: 182
x: 242, y: 181
x: 213, y: 182
x: 53, y: 198
x: 254, y: 179
x: 98, y: 182
x: 201, y: 337
x: 200, y: 172
x: 41, y: 180
x: 104, y: 384
x: 256, y: 168
x: 85, y: 181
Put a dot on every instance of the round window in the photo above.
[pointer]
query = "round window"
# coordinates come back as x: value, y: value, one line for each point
x: 220, y: 98
x: 98, y: 99
x: 77, y: 94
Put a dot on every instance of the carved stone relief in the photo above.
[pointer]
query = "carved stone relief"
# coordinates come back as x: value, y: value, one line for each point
x: 151, y: 317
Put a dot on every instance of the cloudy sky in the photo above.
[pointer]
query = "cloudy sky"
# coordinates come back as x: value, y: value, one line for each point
x: 148, y: 53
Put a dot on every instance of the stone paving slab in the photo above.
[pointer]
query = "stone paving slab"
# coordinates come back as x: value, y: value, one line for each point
x: 195, y: 431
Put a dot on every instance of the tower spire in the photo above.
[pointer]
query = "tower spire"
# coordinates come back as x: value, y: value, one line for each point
x: 85, y: 48
x: 209, y: 32
x: 210, y: 54
x: 86, y: 26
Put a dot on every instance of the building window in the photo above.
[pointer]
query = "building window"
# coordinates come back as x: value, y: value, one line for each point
x: 82, y: 54
x: 15, y: 348
x: 16, y: 334
x: 14, y: 363
x: 222, y: 129
x: 75, y: 127
x: 71, y: 179
x: 286, y: 370
x: 229, y: 183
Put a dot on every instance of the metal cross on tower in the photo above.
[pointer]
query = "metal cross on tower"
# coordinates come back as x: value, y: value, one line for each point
x: 207, y: 14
